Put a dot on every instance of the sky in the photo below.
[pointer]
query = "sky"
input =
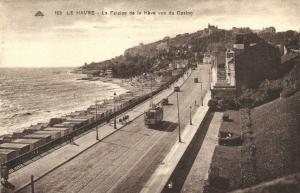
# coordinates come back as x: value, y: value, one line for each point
x: 55, y: 40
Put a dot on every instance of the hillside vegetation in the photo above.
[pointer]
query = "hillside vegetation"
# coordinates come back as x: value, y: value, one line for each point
x: 158, y: 55
x: 189, y: 46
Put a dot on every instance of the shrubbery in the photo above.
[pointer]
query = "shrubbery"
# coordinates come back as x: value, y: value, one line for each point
x: 223, y: 104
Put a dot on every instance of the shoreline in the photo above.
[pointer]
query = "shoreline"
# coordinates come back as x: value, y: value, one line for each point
x: 43, y: 116
x: 131, y: 88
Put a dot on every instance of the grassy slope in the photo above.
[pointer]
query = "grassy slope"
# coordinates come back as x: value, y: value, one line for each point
x: 277, y: 137
x: 232, y: 126
x: 287, y: 184
x: 226, y: 160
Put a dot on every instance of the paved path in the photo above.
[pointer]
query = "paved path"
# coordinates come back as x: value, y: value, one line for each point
x: 162, y: 174
x: 119, y: 160
x: 199, y: 172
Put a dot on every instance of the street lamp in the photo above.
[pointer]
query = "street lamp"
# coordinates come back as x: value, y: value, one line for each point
x: 97, y: 133
x: 191, y: 115
x: 179, y: 133
x: 201, y: 94
x: 115, y: 118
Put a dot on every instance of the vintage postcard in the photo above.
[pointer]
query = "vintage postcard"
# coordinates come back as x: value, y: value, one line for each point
x: 151, y: 96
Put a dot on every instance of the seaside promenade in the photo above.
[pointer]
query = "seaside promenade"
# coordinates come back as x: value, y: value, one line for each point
x: 123, y: 159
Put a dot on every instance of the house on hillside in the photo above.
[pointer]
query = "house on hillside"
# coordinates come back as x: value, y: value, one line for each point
x: 250, y: 61
x: 210, y: 29
x: 163, y: 46
x: 108, y: 73
x: 207, y: 58
x: 178, y: 64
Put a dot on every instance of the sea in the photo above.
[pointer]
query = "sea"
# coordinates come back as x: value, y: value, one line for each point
x: 33, y: 95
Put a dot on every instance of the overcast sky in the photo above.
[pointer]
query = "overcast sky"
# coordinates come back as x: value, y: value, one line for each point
x: 71, y: 40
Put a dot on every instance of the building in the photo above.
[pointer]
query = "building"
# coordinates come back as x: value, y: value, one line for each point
x: 109, y: 73
x: 250, y: 61
x: 269, y: 30
x: 210, y: 29
x: 178, y: 64
x: 163, y: 46
x: 223, y: 83
x: 207, y: 58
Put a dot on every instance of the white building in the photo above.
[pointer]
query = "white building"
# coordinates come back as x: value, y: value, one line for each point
x: 230, y: 67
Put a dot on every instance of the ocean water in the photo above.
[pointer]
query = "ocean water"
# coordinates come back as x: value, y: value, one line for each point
x: 32, y: 95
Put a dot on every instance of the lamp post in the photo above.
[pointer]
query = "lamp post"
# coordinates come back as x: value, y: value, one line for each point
x: 97, y: 133
x: 209, y: 76
x: 151, y: 101
x: 191, y: 115
x: 179, y: 133
x: 201, y: 94
x: 32, y: 183
x: 4, y: 173
x: 115, y: 118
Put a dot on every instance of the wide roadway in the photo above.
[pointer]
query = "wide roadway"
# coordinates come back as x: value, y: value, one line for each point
x: 125, y: 160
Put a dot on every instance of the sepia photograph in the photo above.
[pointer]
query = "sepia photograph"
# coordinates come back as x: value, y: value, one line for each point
x: 149, y: 96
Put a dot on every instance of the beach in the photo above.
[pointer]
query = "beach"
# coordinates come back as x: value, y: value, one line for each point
x: 31, y: 96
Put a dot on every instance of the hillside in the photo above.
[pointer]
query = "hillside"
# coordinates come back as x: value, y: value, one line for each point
x: 277, y: 137
x: 287, y: 184
x: 157, y: 56
x: 274, y: 137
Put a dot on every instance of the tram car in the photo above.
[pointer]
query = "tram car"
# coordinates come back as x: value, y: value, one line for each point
x: 153, y: 116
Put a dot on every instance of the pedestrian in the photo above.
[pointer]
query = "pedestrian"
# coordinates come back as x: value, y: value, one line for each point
x: 70, y: 138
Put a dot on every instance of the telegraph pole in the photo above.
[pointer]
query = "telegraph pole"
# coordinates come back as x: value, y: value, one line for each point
x: 32, y: 183
x: 179, y: 133
x: 191, y: 115
x: 115, y: 118
x: 201, y: 94
x: 151, y: 100
x: 209, y: 76
x: 97, y: 133
x: 96, y: 109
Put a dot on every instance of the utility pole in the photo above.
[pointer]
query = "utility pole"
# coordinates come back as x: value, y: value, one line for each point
x: 179, y: 133
x: 151, y: 100
x: 201, y: 94
x: 209, y: 76
x: 96, y: 109
x: 32, y: 183
x: 4, y: 173
x: 115, y: 118
x: 97, y: 133
x: 191, y: 115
